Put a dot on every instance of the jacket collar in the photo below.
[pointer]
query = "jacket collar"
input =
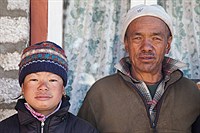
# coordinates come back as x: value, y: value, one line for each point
x: 26, y: 117
x: 169, y: 66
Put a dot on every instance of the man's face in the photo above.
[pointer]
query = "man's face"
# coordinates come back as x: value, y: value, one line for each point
x: 147, y: 41
x: 43, y: 91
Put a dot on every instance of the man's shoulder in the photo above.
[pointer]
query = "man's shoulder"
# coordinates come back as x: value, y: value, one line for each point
x: 108, y: 78
x: 105, y: 85
x: 187, y: 82
x: 106, y: 82
x: 189, y: 88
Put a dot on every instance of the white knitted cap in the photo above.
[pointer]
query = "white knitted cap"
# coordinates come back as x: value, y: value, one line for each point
x: 146, y: 10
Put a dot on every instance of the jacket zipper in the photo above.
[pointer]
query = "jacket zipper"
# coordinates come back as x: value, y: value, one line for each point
x: 42, y: 127
x: 153, y: 124
x: 160, y: 103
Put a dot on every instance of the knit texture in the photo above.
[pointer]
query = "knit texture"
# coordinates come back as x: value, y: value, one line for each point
x: 146, y: 10
x: 43, y: 57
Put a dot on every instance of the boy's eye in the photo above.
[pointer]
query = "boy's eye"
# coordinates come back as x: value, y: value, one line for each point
x: 52, y: 80
x: 33, y: 80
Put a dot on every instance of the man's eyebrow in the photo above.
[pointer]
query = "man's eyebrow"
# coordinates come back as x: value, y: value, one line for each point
x: 135, y: 33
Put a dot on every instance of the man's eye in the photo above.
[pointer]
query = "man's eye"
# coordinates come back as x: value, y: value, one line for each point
x: 157, y: 38
x: 137, y: 38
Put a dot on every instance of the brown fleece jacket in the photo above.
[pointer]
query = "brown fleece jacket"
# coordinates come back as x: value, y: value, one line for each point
x: 113, y: 105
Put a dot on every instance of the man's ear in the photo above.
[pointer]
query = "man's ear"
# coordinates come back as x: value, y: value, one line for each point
x: 168, y: 47
x: 126, y: 44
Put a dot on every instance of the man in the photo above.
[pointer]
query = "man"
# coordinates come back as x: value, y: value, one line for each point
x: 148, y: 93
x: 44, y: 106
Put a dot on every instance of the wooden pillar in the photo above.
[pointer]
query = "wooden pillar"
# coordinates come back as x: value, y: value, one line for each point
x: 38, y: 21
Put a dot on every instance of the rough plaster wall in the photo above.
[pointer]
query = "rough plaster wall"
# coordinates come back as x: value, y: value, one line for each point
x: 14, y: 37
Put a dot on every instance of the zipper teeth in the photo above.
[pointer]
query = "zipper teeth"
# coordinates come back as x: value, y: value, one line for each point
x: 160, y: 103
x: 42, y: 126
x: 153, y: 124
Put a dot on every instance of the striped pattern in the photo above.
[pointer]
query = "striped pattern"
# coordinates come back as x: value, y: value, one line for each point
x: 45, y: 51
x: 39, y: 51
x: 44, y: 56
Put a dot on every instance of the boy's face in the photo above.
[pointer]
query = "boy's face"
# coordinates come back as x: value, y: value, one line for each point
x: 43, y: 91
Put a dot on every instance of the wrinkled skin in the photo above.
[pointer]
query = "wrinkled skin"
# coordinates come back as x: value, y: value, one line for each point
x: 147, y: 40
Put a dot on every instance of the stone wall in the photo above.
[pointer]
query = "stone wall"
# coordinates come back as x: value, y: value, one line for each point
x: 14, y: 37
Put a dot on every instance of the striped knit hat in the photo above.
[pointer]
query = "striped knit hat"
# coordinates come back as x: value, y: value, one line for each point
x: 44, y: 56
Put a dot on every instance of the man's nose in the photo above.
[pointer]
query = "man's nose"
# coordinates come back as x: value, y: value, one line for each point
x: 147, y: 45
